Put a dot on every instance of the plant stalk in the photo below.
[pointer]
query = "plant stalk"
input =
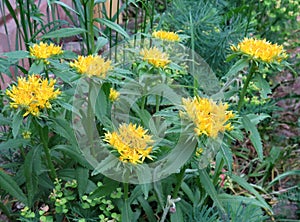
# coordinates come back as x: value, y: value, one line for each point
x: 246, y: 84
x: 179, y: 182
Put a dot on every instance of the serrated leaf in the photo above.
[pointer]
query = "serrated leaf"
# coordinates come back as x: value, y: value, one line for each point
x: 11, y: 187
x: 187, y: 190
x: 62, y: 127
x: 257, y: 118
x: 106, y: 164
x: 64, y: 32
x: 147, y: 209
x: 210, y: 188
x: 73, y: 153
x: 105, y: 189
x: 238, y: 66
x: 16, y: 123
x: 82, y: 176
x: 254, y: 136
x: 126, y: 212
x: 12, y: 144
x: 32, y: 169
x: 4, y: 120
x: 263, y: 85
x: 227, y: 156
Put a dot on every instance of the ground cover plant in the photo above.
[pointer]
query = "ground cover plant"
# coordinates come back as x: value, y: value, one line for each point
x: 154, y: 127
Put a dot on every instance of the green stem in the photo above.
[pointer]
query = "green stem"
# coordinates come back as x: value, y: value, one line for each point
x: 43, y: 132
x: 179, y: 182
x: 143, y: 102
x: 90, y: 117
x: 49, y: 162
x: 157, y: 102
x: 126, y: 191
x: 246, y: 84
x: 193, y: 55
x: 91, y: 27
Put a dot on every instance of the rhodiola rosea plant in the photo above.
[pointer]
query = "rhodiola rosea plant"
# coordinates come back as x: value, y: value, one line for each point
x: 141, y: 133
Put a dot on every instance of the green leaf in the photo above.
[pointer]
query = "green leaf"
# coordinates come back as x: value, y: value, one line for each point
x: 238, y: 66
x: 254, y: 136
x: 69, y: 107
x: 263, y: 85
x: 37, y: 67
x: 16, y: 123
x: 243, y: 183
x: 210, y: 188
x: 177, y: 216
x: 187, y: 190
x: 257, y: 118
x: 106, y: 164
x: 148, y: 209
x: 107, y: 188
x: 73, y: 153
x: 12, y: 144
x: 62, y: 33
x: 113, y: 26
x: 4, y: 121
x: 16, y: 54
x: 101, y: 41
x: 62, y: 127
x: 82, y: 176
x: 11, y: 187
x: 32, y: 169
x: 126, y: 212
x: 285, y: 174
x: 227, y: 156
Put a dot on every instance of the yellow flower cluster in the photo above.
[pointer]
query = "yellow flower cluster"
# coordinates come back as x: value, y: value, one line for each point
x: 92, y: 65
x: 155, y: 57
x: 261, y: 50
x: 33, y: 94
x: 44, y: 50
x: 166, y: 36
x: 208, y: 117
x: 132, y: 143
x: 113, y: 95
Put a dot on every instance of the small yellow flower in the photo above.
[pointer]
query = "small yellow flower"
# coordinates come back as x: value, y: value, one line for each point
x: 113, y: 95
x: 26, y: 134
x: 32, y: 94
x: 132, y: 143
x: 199, y: 151
x: 208, y: 117
x: 166, y: 36
x: 155, y: 57
x: 92, y: 65
x: 260, y: 50
x: 44, y: 51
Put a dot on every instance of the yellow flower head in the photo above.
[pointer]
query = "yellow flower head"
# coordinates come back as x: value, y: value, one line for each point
x: 166, y: 36
x: 208, y: 117
x: 113, y: 95
x: 44, y: 50
x: 155, y: 57
x: 132, y: 143
x: 261, y: 50
x: 92, y: 65
x: 33, y: 94
x: 26, y: 134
